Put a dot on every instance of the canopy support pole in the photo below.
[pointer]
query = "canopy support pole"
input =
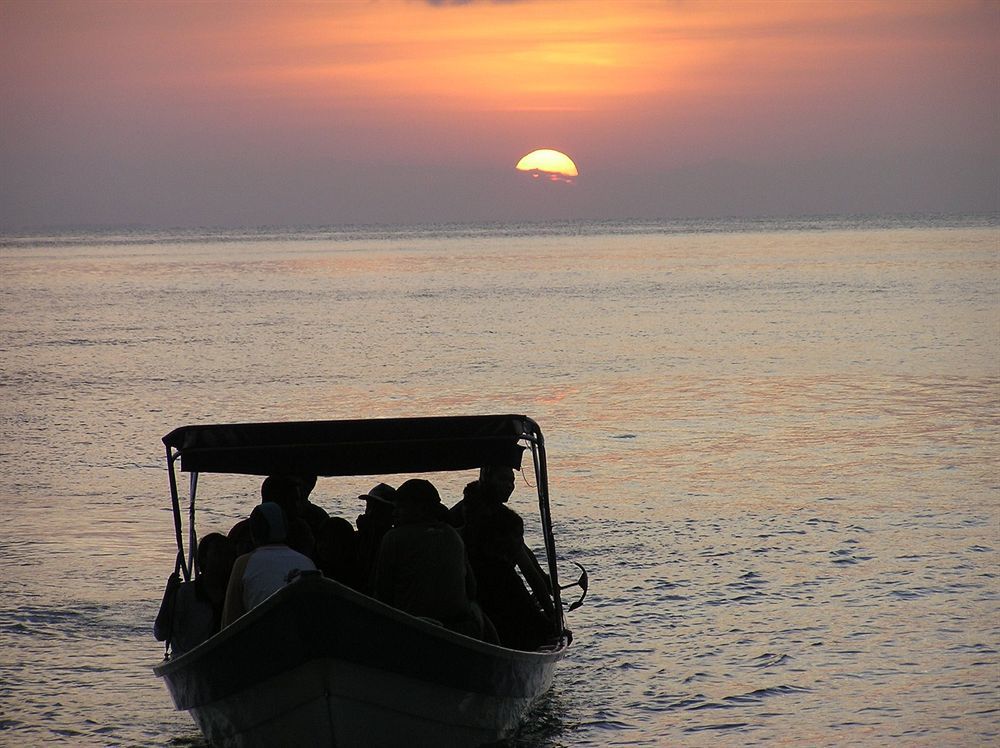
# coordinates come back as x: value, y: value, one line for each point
x: 178, y: 528
x: 192, y: 534
x: 541, y: 473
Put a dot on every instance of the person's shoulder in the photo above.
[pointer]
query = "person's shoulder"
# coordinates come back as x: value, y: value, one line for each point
x: 445, y: 532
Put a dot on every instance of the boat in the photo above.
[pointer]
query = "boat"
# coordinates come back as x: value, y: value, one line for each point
x: 320, y: 664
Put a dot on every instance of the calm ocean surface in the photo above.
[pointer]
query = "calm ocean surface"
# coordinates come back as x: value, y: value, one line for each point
x: 775, y: 446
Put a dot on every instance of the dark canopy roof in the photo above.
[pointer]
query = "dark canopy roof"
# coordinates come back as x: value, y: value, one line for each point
x: 355, y: 447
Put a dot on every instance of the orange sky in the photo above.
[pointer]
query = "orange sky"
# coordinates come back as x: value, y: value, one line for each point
x: 333, y: 110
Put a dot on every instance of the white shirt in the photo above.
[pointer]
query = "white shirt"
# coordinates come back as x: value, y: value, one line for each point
x: 268, y: 570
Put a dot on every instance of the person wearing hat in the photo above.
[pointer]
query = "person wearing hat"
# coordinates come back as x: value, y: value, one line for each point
x: 372, y: 526
x: 422, y: 567
x: 266, y: 569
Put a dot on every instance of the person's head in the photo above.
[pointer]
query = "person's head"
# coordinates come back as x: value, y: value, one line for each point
x: 216, y: 554
x: 240, y: 535
x: 283, y: 490
x: 471, y: 491
x: 379, y: 504
x: 416, y: 501
x: 496, y: 483
x: 336, y: 548
x: 336, y: 537
x: 267, y: 524
x: 306, y: 484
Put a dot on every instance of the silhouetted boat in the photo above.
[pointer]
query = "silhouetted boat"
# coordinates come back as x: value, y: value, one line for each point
x: 320, y: 664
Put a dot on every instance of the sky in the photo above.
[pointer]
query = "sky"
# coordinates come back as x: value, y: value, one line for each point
x: 205, y: 114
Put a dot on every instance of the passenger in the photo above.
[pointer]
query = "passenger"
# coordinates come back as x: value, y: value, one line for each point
x: 494, y: 543
x: 337, y: 552
x: 194, y: 613
x: 301, y: 538
x: 314, y: 515
x: 262, y: 572
x: 494, y: 488
x: 422, y: 567
x: 372, y: 526
x: 470, y: 499
x: 285, y: 491
x: 239, y: 534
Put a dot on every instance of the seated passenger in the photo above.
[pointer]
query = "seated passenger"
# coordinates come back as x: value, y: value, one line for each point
x: 269, y: 567
x: 313, y: 515
x: 422, y: 568
x: 372, y: 526
x: 337, y: 552
x: 300, y: 538
x: 239, y: 534
x: 470, y: 499
x: 494, y: 542
x: 493, y: 489
x: 285, y: 491
x: 194, y: 611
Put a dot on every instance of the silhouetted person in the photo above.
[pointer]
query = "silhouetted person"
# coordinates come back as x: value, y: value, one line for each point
x: 372, y: 526
x: 493, y: 489
x: 262, y: 572
x: 470, y: 501
x: 313, y: 515
x: 194, y: 613
x: 422, y: 567
x: 286, y: 491
x: 300, y: 538
x: 239, y: 534
x: 337, y: 552
x: 494, y: 541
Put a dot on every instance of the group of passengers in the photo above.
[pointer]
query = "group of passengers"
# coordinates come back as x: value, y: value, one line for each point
x: 457, y: 567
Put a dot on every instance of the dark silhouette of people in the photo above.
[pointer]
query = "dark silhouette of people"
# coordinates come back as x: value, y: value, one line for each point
x: 262, y: 572
x: 193, y: 612
x: 239, y: 534
x: 422, y: 567
x: 493, y: 489
x: 313, y: 515
x: 372, y: 526
x: 286, y: 491
x: 337, y: 552
x: 494, y: 539
x: 470, y: 501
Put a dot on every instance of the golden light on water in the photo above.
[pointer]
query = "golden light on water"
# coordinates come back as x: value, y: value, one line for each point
x: 551, y: 164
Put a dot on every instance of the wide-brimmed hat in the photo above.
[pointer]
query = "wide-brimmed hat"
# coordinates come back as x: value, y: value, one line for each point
x: 382, y: 493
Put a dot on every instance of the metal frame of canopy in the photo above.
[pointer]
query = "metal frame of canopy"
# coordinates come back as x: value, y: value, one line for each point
x: 381, y: 446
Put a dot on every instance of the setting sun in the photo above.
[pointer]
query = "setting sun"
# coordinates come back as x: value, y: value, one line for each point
x: 549, y: 163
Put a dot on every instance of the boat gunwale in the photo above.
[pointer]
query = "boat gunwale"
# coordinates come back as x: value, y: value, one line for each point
x: 175, y: 663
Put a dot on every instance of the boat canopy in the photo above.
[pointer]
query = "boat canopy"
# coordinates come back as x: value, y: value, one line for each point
x: 354, y: 447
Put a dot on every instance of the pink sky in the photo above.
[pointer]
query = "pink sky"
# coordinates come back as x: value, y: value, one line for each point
x: 395, y: 111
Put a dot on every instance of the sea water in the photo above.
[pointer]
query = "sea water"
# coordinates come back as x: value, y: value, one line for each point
x: 773, y: 444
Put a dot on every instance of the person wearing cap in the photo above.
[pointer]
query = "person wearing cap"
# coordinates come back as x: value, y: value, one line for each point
x: 422, y: 567
x: 266, y: 569
x: 372, y: 527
